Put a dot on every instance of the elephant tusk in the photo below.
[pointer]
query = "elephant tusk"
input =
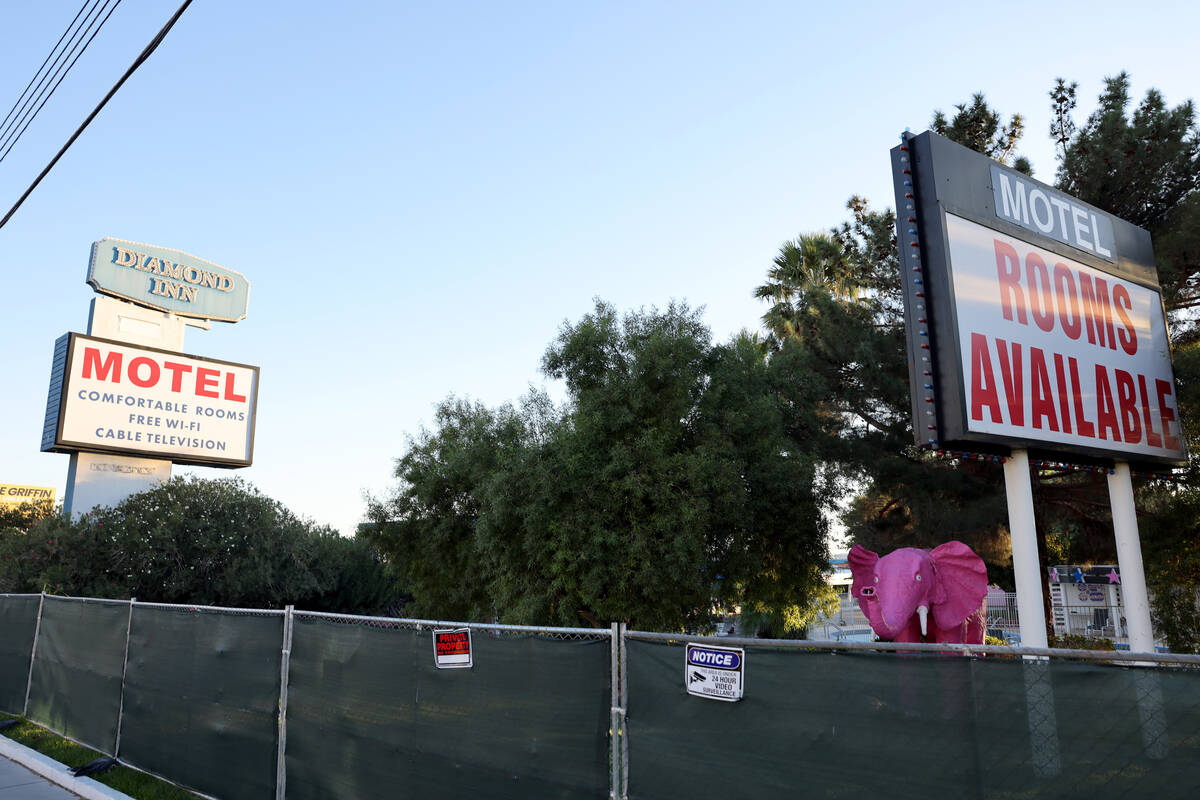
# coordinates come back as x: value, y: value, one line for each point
x: 922, y: 611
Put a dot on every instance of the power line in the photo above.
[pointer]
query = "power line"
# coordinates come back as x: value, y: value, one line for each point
x: 45, y: 94
x: 137, y: 62
x: 43, y: 66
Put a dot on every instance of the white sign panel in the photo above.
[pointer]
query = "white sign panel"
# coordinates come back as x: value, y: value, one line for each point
x: 122, y: 398
x: 715, y: 672
x: 452, y: 648
x: 1053, y: 350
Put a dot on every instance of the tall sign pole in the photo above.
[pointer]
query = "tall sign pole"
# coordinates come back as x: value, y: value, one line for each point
x: 1129, y: 558
x: 123, y: 401
x: 1036, y: 335
x: 1027, y: 570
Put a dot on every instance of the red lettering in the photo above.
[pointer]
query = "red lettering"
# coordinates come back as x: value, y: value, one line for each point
x: 1040, y: 295
x: 1131, y: 424
x: 1081, y: 422
x: 102, y: 371
x: 1097, y: 311
x: 176, y: 369
x: 1042, y: 403
x: 1008, y: 270
x: 1123, y: 304
x: 1064, y: 397
x: 1152, y: 437
x: 1106, y: 412
x: 1064, y: 292
x: 135, y: 372
x: 206, y: 381
x: 229, y: 395
x: 1012, y: 373
x: 1163, y: 388
x: 983, y: 381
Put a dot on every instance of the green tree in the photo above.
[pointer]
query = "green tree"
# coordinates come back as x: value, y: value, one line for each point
x: 671, y: 482
x: 1143, y: 164
x: 23, y: 516
x: 197, y: 542
x: 1143, y: 167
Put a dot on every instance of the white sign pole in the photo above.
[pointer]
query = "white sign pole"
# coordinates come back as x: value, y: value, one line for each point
x: 1129, y: 557
x: 1026, y: 566
x: 93, y: 479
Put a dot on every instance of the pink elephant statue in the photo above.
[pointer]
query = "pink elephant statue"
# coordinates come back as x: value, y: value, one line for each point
x: 900, y: 591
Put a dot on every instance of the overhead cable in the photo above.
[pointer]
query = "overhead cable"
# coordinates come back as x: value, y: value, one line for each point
x: 141, y: 59
x: 54, y: 49
x: 47, y: 91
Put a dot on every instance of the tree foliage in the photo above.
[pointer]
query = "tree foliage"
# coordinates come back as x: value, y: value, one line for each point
x: 200, y: 542
x: 847, y: 327
x: 1142, y: 166
x: 674, y: 479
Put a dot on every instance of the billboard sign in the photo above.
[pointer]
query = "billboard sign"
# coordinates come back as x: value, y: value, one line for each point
x: 168, y: 280
x: 112, y: 397
x: 15, y: 495
x: 1034, y: 320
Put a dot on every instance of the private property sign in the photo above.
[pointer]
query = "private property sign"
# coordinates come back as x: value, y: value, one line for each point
x: 112, y: 397
x: 452, y: 648
x: 1034, y: 320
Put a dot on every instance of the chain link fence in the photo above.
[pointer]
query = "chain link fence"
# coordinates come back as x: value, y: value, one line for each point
x: 249, y: 703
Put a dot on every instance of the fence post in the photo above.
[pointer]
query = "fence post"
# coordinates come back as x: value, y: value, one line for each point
x: 623, y: 656
x: 37, y: 629
x: 124, y: 669
x: 614, y: 719
x: 285, y: 662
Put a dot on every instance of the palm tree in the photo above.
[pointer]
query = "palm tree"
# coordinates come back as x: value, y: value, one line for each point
x: 813, y: 264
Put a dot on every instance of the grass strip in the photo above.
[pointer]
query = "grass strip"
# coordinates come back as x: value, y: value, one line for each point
x: 136, y: 784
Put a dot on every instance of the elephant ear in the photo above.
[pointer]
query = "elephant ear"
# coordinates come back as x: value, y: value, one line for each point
x: 862, y: 567
x: 961, y: 583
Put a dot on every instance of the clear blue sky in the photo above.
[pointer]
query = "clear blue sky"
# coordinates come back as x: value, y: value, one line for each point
x: 421, y: 193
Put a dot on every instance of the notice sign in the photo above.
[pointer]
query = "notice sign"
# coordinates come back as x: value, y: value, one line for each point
x: 452, y: 648
x: 1056, y: 351
x: 715, y: 672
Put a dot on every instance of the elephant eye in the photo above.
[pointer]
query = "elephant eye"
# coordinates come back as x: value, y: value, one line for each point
x: 918, y: 577
x: 877, y: 579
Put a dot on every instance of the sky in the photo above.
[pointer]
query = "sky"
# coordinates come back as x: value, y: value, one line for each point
x: 422, y: 194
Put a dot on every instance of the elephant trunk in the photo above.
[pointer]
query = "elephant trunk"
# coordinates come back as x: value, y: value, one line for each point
x: 923, y: 612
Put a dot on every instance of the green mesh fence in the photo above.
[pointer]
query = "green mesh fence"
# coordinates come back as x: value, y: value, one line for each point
x: 76, y: 685
x: 827, y: 725
x: 18, y: 618
x: 369, y: 715
x: 201, y: 698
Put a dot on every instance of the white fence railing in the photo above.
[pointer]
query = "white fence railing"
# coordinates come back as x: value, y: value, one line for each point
x: 1003, y: 621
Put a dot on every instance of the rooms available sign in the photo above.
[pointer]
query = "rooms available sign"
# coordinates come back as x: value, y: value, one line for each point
x: 107, y: 396
x: 1034, y: 320
x: 1054, y: 350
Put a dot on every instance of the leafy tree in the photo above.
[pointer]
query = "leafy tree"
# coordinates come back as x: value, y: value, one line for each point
x: 1143, y: 167
x: 197, y: 542
x: 673, y: 480
x: 23, y: 516
x: 978, y: 127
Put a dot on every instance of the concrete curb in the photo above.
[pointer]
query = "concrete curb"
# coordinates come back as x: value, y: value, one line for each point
x: 57, y: 773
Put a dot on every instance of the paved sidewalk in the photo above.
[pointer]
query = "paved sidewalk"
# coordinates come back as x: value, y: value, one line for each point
x: 19, y: 783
